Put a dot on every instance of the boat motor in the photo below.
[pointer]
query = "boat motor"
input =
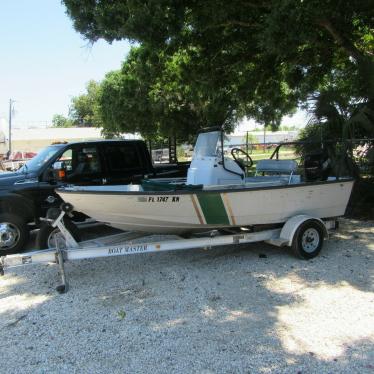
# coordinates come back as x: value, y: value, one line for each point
x: 317, y: 166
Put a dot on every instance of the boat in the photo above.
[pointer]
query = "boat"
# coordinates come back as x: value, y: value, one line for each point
x: 216, y: 195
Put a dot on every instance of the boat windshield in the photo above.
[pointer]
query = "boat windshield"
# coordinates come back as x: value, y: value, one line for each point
x: 208, y: 144
x: 40, y: 159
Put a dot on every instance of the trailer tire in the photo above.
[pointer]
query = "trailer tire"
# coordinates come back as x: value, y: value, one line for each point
x: 308, y: 240
x: 46, y: 236
x: 14, y: 234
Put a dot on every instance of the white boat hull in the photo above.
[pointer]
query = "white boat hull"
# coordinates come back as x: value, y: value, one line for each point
x: 129, y: 208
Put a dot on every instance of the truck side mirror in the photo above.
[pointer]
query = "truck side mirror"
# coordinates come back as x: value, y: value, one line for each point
x: 59, y: 171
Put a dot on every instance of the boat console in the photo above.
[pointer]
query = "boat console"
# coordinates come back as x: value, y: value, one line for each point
x: 209, y: 166
x: 211, y: 169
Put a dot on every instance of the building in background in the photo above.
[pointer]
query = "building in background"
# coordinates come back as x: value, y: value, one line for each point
x: 34, y: 139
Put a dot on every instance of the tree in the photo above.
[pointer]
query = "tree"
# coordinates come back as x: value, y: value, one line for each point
x: 150, y: 95
x: 259, y: 58
x: 124, y: 98
x: 84, y: 109
x: 60, y: 121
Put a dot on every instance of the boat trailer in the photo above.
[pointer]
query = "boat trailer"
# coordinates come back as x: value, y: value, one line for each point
x: 303, y: 233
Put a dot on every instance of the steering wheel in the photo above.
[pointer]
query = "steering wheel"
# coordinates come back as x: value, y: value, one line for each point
x: 234, y: 153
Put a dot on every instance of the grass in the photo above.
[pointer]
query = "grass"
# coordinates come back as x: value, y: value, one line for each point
x: 121, y: 314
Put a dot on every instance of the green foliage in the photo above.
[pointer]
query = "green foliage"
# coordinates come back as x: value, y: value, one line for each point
x: 288, y: 128
x: 84, y: 110
x: 124, y: 100
x: 150, y: 95
x: 335, y: 121
x: 211, y: 62
x: 60, y: 121
x: 121, y: 314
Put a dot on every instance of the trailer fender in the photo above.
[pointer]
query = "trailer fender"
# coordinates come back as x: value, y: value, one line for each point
x: 290, y: 227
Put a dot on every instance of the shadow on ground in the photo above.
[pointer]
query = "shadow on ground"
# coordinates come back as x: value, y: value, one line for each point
x: 236, y: 309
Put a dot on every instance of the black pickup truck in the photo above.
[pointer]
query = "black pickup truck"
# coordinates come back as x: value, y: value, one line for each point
x: 27, y: 194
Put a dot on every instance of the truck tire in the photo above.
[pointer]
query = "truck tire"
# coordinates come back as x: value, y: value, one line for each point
x: 308, y: 240
x: 47, y: 235
x: 14, y: 234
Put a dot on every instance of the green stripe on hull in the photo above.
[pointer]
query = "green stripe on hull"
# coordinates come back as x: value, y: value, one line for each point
x: 213, y: 208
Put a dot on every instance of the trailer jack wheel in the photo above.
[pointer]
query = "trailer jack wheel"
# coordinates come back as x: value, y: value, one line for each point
x: 48, y: 236
x: 308, y: 240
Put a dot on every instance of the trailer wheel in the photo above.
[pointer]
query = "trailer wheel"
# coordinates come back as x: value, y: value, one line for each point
x: 48, y: 235
x: 308, y: 240
x: 14, y: 234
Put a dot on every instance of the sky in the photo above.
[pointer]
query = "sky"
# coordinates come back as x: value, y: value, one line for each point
x: 44, y: 62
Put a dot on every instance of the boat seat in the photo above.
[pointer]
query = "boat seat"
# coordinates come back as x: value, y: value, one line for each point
x: 276, y: 166
x: 279, y: 167
x: 284, y: 170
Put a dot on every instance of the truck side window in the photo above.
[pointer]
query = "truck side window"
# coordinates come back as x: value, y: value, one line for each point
x: 86, y: 161
x: 122, y: 157
x: 81, y: 161
x: 67, y: 159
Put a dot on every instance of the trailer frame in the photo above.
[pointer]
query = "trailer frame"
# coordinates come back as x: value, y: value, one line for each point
x: 123, y: 244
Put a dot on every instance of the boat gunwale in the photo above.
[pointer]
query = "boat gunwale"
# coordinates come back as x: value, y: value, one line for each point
x: 202, y: 191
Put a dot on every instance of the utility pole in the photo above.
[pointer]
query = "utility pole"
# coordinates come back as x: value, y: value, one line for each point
x: 11, y: 102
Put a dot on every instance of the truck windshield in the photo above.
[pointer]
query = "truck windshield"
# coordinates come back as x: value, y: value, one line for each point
x: 40, y: 159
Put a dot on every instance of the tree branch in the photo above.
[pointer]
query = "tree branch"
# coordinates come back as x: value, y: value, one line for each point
x: 340, y: 39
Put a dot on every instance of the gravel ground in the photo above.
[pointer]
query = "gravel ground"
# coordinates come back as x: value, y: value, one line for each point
x: 243, y: 309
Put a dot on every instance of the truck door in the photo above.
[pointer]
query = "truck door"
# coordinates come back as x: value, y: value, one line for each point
x: 124, y: 163
x: 83, y: 167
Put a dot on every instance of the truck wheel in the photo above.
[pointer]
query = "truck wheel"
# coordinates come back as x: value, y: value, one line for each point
x: 48, y: 235
x: 308, y: 240
x: 14, y: 234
